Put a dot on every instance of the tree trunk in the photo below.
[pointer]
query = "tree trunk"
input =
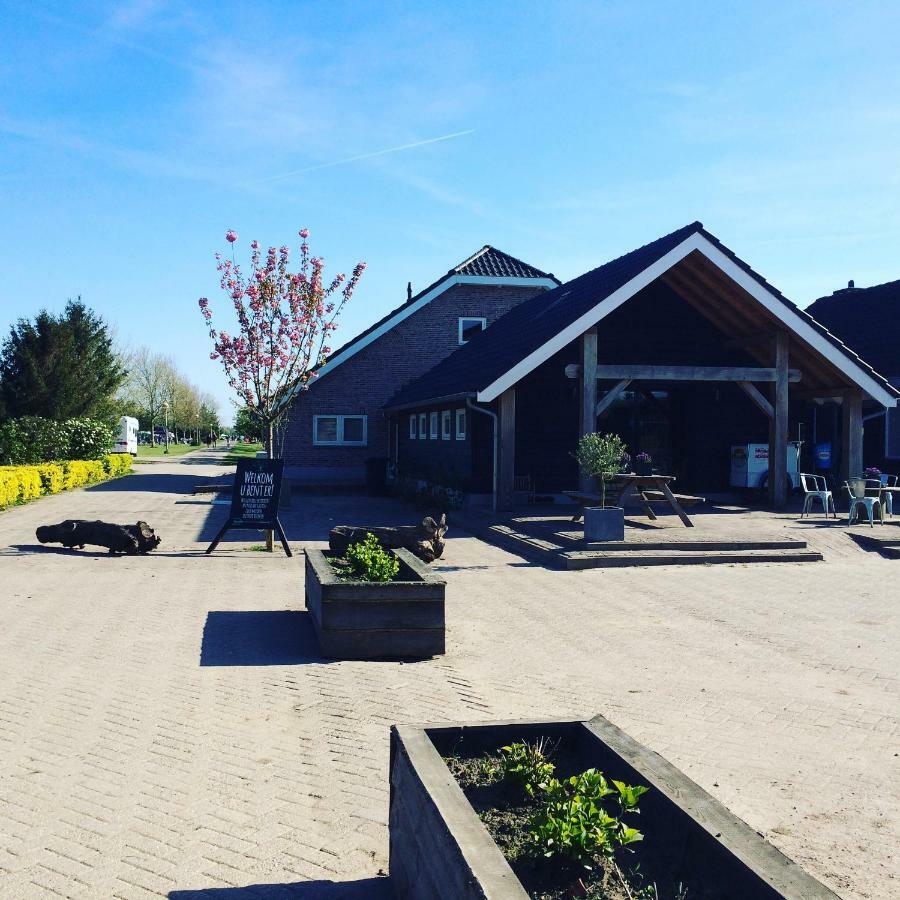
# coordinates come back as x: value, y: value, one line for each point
x: 270, y: 535
x: 425, y: 540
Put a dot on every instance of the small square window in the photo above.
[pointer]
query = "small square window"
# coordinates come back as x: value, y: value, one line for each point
x: 326, y: 429
x: 422, y: 426
x: 340, y: 430
x: 446, y: 422
x: 354, y: 430
x: 412, y: 427
x: 433, y: 426
x: 460, y: 424
x: 469, y: 327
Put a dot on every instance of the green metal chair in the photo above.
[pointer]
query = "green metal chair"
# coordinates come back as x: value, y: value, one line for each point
x: 856, y: 492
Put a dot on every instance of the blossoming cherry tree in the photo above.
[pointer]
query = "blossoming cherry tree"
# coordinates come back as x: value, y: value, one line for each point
x: 284, y: 323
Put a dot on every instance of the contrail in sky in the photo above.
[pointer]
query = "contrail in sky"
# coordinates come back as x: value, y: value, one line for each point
x: 350, y: 159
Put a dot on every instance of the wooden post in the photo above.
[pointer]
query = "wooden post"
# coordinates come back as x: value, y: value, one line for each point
x: 852, y: 436
x: 588, y: 394
x: 778, y: 431
x: 507, y: 463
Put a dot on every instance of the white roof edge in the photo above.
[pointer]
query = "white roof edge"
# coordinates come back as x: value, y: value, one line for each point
x: 763, y: 295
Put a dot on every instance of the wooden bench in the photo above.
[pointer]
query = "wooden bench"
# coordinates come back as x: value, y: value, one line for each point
x: 683, y: 499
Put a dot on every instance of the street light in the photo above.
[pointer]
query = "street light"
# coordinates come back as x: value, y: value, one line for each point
x: 165, y: 409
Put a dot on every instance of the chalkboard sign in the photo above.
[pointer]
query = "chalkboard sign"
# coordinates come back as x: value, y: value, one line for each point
x: 254, y: 496
x: 254, y: 499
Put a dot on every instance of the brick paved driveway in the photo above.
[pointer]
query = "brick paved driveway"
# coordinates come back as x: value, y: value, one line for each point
x: 168, y: 729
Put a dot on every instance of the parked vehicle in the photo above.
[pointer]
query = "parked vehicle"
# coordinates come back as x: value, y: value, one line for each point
x: 127, y: 440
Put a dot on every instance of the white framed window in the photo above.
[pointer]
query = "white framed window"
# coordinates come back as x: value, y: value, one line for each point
x: 460, y: 424
x: 340, y: 431
x: 469, y: 326
x: 433, y: 426
x: 422, y: 426
x: 412, y: 427
x: 446, y: 421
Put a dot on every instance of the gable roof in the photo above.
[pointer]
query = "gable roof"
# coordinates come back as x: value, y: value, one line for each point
x: 493, y: 263
x: 487, y: 266
x: 866, y: 319
x: 533, y: 331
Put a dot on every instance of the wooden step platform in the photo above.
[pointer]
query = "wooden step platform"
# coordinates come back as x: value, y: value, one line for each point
x: 561, y: 553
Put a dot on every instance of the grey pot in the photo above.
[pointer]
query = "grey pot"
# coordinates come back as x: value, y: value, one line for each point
x: 604, y: 524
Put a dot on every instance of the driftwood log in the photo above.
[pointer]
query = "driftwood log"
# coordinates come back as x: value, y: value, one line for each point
x: 130, y: 539
x: 425, y: 540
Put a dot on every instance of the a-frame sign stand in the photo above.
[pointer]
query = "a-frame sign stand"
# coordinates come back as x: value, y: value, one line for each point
x: 254, y: 500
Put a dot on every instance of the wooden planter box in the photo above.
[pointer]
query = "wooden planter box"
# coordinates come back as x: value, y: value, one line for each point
x: 362, y: 620
x: 440, y: 849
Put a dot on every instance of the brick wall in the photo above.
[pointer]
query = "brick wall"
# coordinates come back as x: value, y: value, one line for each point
x: 366, y: 381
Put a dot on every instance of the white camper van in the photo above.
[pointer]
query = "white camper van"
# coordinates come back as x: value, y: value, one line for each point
x: 128, y: 436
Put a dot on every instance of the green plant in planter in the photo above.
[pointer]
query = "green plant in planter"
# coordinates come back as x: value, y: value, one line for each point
x: 527, y: 765
x: 369, y: 561
x: 601, y: 456
x: 574, y: 823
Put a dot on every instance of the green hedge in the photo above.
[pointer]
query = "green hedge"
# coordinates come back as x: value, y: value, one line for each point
x: 31, y: 440
x: 19, y: 484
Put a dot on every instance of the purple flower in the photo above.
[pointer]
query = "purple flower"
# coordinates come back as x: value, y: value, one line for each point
x: 231, y: 235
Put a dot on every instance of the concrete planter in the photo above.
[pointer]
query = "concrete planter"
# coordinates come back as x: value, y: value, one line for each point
x: 440, y: 850
x: 363, y: 620
x: 604, y: 524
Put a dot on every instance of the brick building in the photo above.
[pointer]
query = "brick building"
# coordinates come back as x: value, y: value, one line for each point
x: 340, y: 422
x: 868, y: 321
x: 678, y: 346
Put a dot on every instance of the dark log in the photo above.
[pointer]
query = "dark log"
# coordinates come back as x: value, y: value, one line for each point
x: 130, y: 539
x: 425, y: 540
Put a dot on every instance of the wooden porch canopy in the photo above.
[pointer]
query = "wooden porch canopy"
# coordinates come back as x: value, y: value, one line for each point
x: 795, y: 354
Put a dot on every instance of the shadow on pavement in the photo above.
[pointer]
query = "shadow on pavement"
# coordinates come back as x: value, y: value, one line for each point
x: 364, y: 889
x: 29, y: 549
x: 158, y: 482
x: 259, y: 638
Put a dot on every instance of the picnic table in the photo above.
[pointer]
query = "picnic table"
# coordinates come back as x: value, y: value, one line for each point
x: 647, y: 488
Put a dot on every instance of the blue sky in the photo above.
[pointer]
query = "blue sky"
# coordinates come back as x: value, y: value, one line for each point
x: 133, y: 134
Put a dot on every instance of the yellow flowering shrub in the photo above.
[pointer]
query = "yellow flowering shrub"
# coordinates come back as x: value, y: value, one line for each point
x: 19, y: 484
x: 52, y: 477
x: 117, y: 464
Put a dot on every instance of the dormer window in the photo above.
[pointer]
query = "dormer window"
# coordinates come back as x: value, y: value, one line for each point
x: 469, y: 327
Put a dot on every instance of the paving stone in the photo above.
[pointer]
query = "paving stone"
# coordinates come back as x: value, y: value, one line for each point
x: 132, y: 767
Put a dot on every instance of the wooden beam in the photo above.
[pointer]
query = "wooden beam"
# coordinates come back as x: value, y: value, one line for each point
x: 779, y: 425
x: 692, y: 373
x: 588, y: 393
x: 753, y: 392
x: 825, y: 393
x: 507, y: 451
x: 611, y: 395
x: 852, y: 436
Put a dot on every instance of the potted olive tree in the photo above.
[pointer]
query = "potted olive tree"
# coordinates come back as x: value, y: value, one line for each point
x: 601, y: 456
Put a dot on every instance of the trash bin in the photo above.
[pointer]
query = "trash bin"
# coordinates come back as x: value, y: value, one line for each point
x: 376, y: 475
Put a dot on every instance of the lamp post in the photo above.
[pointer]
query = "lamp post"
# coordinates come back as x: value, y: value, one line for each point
x: 165, y: 409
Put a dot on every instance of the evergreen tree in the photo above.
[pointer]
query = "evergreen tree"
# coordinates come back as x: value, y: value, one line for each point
x: 59, y: 367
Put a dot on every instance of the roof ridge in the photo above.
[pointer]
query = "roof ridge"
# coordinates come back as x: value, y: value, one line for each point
x: 472, y: 258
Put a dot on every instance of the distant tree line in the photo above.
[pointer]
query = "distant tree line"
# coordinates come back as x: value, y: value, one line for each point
x: 66, y: 366
x: 153, y: 380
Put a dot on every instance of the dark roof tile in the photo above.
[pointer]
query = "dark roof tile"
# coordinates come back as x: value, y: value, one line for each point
x: 866, y: 319
x: 527, y: 327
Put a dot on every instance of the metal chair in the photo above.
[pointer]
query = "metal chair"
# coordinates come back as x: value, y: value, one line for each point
x: 816, y: 488
x: 856, y: 491
x: 888, y: 486
x: 875, y: 488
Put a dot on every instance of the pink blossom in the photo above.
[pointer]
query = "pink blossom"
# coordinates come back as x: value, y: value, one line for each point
x: 231, y: 235
x: 304, y: 233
